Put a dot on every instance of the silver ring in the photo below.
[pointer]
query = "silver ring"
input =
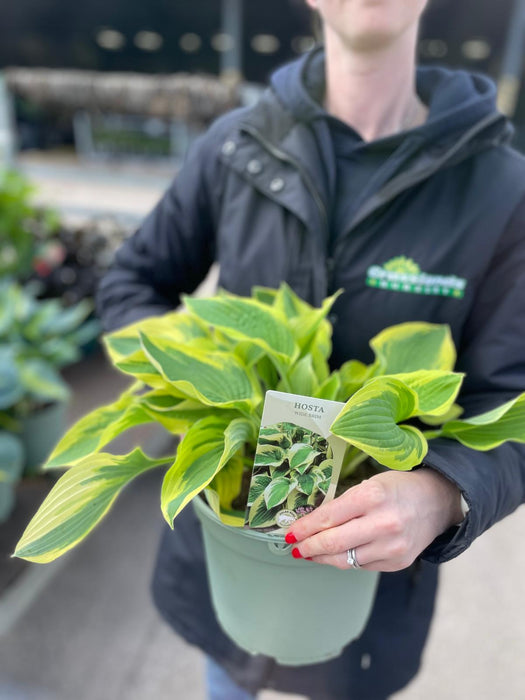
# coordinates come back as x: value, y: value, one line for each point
x: 351, y: 559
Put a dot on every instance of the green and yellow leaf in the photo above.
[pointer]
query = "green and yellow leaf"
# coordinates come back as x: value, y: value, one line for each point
x: 491, y: 429
x: 224, y: 488
x: 369, y: 421
x: 214, y: 379
x: 277, y: 491
x: 92, y: 432
x: 42, y: 381
x: 436, y: 390
x: 78, y: 501
x: 207, y: 446
x: 408, y: 347
x: 247, y: 320
x: 176, y: 326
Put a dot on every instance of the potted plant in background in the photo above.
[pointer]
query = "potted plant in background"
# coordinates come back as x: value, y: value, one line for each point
x: 27, y: 232
x: 203, y: 373
x: 37, y: 338
x: 11, y: 468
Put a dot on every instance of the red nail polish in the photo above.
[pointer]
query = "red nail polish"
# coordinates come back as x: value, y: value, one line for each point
x: 296, y: 554
x: 309, y: 559
x: 290, y: 538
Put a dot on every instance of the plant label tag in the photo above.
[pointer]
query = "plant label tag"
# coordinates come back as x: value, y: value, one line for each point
x: 297, y: 461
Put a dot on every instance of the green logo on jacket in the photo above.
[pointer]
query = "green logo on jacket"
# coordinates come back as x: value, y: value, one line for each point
x: 401, y: 274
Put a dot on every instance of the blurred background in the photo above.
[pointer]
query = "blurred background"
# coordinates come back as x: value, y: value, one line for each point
x: 98, y: 104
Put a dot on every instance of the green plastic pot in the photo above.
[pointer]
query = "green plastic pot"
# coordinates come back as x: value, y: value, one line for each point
x: 294, y: 611
x: 11, y: 467
x: 40, y: 433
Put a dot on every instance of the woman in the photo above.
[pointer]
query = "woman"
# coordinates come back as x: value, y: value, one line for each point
x: 354, y: 159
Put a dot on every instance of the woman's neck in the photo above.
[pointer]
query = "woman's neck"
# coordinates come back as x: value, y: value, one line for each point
x: 374, y: 91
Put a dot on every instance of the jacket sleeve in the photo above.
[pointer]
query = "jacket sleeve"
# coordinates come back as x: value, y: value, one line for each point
x: 173, y: 249
x: 492, y: 354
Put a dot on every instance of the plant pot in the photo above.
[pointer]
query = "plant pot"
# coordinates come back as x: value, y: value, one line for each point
x: 295, y: 611
x: 11, y: 467
x: 40, y: 433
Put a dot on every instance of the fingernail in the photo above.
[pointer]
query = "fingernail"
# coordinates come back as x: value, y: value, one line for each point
x: 308, y: 558
x: 290, y: 538
x: 296, y: 554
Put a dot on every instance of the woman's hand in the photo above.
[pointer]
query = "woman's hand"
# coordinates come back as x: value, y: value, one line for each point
x: 388, y: 519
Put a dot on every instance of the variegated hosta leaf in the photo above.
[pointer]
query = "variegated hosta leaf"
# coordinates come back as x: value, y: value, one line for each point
x: 408, y: 347
x: 330, y: 388
x: 290, y: 305
x: 491, y: 429
x: 164, y: 402
x: 248, y: 353
x: 138, y: 365
x: 260, y: 516
x: 214, y: 379
x: 78, y: 501
x: 264, y: 295
x: 306, y: 484
x: 258, y: 486
x: 11, y: 458
x: 267, y: 373
x: 320, y: 350
x: 296, y: 499
x: 370, y: 420
x: 306, y: 325
x: 354, y: 375
x: 272, y: 436
x: 277, y: 491
x: 11, y: 389
x: 92, y: 432
x: 248, y: 320
x: 224, y: 489
x: 436, y: 390
x: 453, y: 413
x: 178, y: 415
x: 301, y: 378
x: 178, y: 326
x: 269, y: 456
x: 207, y: 446
x: 42, y: 381
x: 301, y: 456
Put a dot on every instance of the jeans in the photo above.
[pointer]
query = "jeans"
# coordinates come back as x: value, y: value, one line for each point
x: 220, y: 686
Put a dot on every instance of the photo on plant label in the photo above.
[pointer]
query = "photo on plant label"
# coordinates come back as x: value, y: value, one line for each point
x: 291, y: 475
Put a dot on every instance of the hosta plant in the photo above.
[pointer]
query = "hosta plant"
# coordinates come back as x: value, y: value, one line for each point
x: 203, y: 372
x: 37, y: 338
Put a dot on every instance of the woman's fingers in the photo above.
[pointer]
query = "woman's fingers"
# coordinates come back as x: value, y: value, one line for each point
x: 388, y: 520
x: 357, y: 532
x: 357, y: 501
x: 376, y: 556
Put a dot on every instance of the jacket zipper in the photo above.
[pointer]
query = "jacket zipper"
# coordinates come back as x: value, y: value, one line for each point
x: 404, y: 181
x: 388, y: 194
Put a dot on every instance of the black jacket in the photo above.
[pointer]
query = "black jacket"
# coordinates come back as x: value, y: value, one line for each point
x: 251, y: 197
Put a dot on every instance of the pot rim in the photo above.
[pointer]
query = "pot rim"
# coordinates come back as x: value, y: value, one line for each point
x: 203, y: 507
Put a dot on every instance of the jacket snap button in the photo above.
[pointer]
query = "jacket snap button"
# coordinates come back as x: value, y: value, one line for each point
x: 277, y: 184
x: 254, y: 167
x: 229, y: 148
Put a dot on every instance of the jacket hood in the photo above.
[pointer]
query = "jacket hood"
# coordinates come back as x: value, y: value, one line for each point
x: 457, y: 99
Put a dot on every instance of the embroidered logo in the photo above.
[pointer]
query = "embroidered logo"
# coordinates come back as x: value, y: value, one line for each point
x: 401, y: 274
